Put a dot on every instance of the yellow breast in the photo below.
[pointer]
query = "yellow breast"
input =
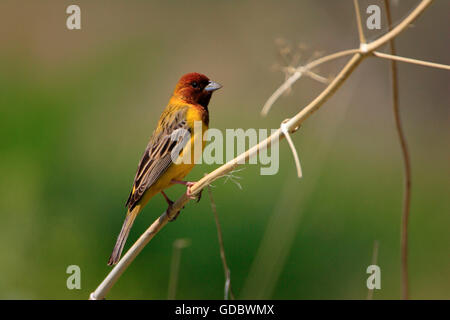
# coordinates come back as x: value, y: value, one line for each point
x: 192, y: 152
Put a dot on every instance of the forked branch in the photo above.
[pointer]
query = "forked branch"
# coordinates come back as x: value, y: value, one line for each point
x: 292, y: 124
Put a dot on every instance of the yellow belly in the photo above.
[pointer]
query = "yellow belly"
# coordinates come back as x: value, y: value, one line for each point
x: 178, y: 171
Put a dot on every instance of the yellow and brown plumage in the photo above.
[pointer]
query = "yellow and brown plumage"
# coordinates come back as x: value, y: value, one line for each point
x: 157, y: 170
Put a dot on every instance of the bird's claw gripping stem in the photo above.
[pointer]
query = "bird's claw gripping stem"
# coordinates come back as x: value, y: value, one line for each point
x: 191, y: 196
x: 169, y: 207
x: 175, y: 216
x: 188, y: 185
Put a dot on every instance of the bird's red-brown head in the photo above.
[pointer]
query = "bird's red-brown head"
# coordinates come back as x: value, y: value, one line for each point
x: 195, y: 88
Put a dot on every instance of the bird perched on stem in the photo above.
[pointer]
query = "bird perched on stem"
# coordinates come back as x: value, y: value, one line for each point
x: 174, y: 138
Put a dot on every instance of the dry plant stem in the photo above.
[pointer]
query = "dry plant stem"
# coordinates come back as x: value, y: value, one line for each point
x: 374, y: 262
x: 298, y: 73
x: 333, y: 56
x: 174, y: 269
x: 400, y: 27
x: 362, y: 39
x: 178, y: 246
x: 413, y: 61
x: 292, y: 124
x: 406, y: 163
x: 137, y: 247
x: 317, y: 77
x: 367, y: 48
x: 228, y: 292
x: 286, y: 134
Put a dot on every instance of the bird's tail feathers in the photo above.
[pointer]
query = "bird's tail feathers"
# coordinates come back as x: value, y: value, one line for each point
x: 123, y: 235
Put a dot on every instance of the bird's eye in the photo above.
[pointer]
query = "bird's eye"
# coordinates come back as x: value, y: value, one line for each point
x: 194, y: 84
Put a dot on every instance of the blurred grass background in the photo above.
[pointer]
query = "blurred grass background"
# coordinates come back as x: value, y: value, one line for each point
x: 77, y: 109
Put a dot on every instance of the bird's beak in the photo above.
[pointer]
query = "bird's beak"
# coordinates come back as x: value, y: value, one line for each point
x: 212, y: 86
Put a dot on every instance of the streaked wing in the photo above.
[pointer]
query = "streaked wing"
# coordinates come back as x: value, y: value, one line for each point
x: 172, y: 135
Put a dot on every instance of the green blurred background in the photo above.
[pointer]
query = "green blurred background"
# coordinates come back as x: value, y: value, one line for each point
x: 77, y: 109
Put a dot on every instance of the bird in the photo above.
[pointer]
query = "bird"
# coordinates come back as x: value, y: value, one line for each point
x: 158, y: 168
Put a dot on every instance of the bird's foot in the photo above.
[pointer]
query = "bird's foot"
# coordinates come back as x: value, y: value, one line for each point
x: 169, y: 207
x: 174, y: 215
x: 194, y: 197
x: 189, y: 194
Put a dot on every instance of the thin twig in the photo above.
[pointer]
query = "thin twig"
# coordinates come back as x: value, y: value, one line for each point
x: 372, y: 46
x: 178, y: 245
x: 292, y: 124
x: 406, y: 163
x: 293, y: 150
x: 298, y: 73
x: 228, y: 292
x: 317, y: 77
x: 374, y: 262
x: 230, y: 176
x: 330, y: 57
x: 362, y: 39
x: 313, y: 75
x: 367, y: 48
x: 410, y: 60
